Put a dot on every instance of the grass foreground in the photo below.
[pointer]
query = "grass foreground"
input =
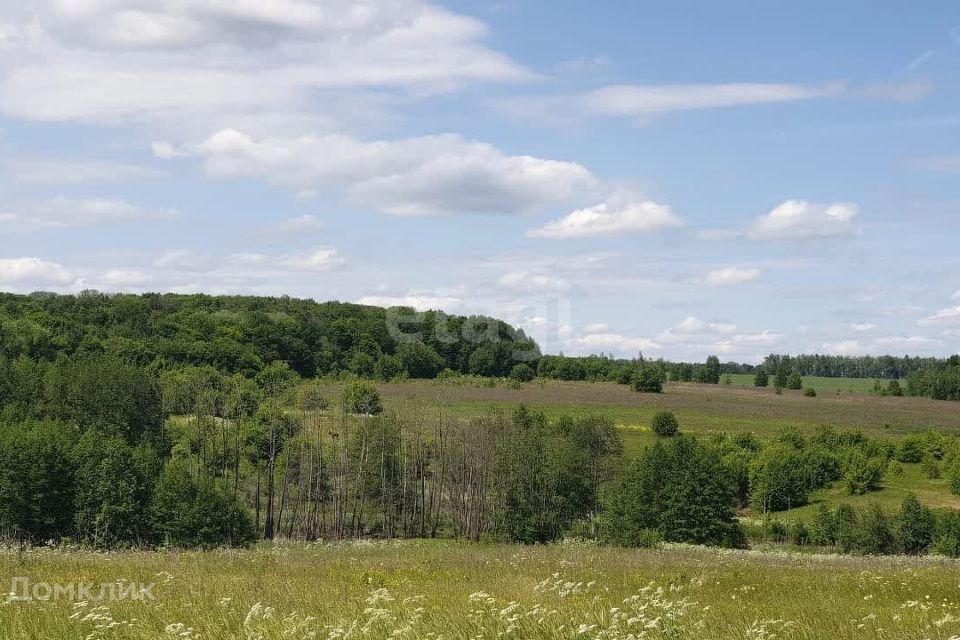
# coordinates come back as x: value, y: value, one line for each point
x: 426, y: 589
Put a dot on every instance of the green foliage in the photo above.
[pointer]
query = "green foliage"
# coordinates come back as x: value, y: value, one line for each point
x: 36, y: 481
x: 794, y: 381
x: 648, y: 379
x: 188, y: 512
x: 665, y: 424
x: 810, y: 392
x: 679, y: 488
x: 419, y: 360
x: 779, y: 479
x: 862, y: 474
x: 104, y: 393
x: 362, y: 398
x: 522, y: 372
x: 761, y: 379
x: 915, y: 527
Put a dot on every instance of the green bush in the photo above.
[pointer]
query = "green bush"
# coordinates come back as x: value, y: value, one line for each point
x: 665, y: 424
x: 648, y: 379
x: 522, y: 372
x: 810, y: 392
x: 362, y: 398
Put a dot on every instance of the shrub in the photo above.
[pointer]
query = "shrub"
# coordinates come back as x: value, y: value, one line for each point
x: 930, y: 467
x: 665, y: 424
x: 799, y: 534
x: 863, y: 474
x: 779, y: 479
x: 648, y: 379
x: 915, y: 526
x: 522, y: 372
x: 794, y: 381
x: 894, y: 388
x: 190, y: 512
x: 362, y: 398
x: 954, y: 477
x: 910, y: 450
x: 680, y: 489
x: 810, y: 392
x: 877, y: 536
x: 761, y: 379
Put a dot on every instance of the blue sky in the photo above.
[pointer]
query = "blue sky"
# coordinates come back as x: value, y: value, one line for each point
x: 683, y: 179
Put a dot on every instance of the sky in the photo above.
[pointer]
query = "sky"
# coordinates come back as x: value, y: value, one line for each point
x: 679, y: 179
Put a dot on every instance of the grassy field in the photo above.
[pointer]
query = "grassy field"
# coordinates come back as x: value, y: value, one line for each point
x: 460, y: 591
x: 822, y: 385
x: 700, y: 408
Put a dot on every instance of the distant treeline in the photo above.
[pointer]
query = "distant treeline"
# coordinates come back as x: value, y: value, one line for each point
x: 242, y: 334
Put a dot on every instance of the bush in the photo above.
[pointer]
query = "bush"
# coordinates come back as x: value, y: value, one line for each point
x: 915, y: 526
x: 761, y: 379
x: 678, y: 488
x: 863, y: 474
x: 665, y: 424
x: 522, y: 372
x: 894, y: 388
x: 779, y: 479
x: 188, y: 512
x: 810, y: 392
x: 648, y: 379
x: 362, y: 398
x: 799, y: 534
x: 794, y: 381
x: 910, y: 450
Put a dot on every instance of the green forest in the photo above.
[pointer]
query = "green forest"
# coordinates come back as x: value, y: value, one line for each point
x: 199, y: 421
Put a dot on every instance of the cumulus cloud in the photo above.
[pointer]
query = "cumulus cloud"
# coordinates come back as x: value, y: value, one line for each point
x: 861, y: 327
x: 614, y: 342
x: 23, y: 273
x: 125, y: 60
x: 730, y: 276
x: 802, y: 220
x: 843, y: 348
x: 624, y: 212
x: 60, y: 212
x: 429, y: 175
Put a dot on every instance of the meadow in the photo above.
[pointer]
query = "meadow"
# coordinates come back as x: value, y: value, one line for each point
x: 428, y: 589
x: 709, y: 409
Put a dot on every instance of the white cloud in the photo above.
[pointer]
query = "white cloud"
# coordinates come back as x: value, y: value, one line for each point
x: 60, y: 212
x: 33, y: 272
x: 615, y: 342
x: 641, y: 102
x: 54, y: 171
x: 597, y: 327
x: 949, y: 315
x: 415, y: 301
x: 182, y: 260
x: 320, y: 259
x: 693, y: 325
x: 844, y: 348
x: 533, y: 282
x: 125, y: 278
x: 638, y: 100
x: 430, y: 175
x: 905, y: 343
x: 801, y: 220
x: 861, y: 327
x: 730, y: 276
x: 114, y: 61
x: 624, y: 212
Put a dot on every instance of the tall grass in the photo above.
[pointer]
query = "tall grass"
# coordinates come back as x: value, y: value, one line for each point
x: 459, y: 591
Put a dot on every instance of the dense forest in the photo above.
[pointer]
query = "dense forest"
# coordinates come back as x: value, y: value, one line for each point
x: 198, y: 421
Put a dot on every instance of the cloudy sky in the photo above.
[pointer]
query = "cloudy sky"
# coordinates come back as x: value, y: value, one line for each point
x: 679, y: 178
